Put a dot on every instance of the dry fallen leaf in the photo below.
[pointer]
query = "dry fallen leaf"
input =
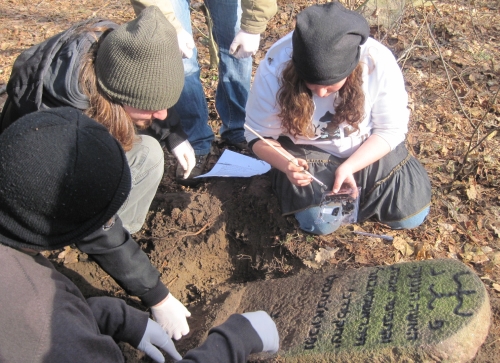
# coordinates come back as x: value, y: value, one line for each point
x: 471, y: 192
x: 402, y: 246
x: 362, y: 259
x: 480, y: 258
x: 311, y: 264
x: 446, y: 227
x: 325, y: 254
x: 70, y: 255
x: 63, y: 253
x: 422, y: 250
x: 496, y: 287
x: 495, y: 258
x: 486, y: 249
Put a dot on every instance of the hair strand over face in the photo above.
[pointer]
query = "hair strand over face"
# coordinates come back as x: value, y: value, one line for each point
x: 102, y: 108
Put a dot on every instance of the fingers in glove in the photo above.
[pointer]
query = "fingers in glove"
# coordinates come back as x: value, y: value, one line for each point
x: 171, y: 314
x: 266, y: 329
x: 191, y: 163
x: 181, y: 330
x: 240, y: 53
x: 153, y: 353
x: 183, y: 162
x: 163, y: 341
x: 184, y: 153
x: 186, y: 43
x: 169, y: 348
x: 233, y: 48
x: 244, y: 44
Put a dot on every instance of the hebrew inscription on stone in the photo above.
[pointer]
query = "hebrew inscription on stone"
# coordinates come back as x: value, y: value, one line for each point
x: 436, y: 310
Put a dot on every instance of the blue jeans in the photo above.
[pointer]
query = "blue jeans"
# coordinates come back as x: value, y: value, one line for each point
x: 234, y: 79
x: 308, y: 221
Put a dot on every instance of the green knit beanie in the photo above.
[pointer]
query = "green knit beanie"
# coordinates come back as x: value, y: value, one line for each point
x: 139, y: 63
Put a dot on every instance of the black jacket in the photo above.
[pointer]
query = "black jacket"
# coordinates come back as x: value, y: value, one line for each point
x: 45, y: 318
x: 47, y: 76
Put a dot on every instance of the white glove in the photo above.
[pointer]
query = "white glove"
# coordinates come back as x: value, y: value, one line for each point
x: 171, y: 315
x: 186, y: 43
x: 185, y: 154
x: 244, y: 44
x: 266, y: 329
x: 154, y: 334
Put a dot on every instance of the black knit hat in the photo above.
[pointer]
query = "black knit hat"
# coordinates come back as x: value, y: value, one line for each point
x: 326, y: 42
x: 62, y: 177
x: 139, y: 64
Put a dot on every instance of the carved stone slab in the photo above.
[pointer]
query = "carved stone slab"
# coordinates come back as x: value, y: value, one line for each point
x: 426, y: 311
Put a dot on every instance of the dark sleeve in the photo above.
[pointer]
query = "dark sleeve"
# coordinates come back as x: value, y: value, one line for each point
x: 168, y: 132
x: 118, y: 320
x: 231, y: 342
x: 121, y: 257
x: 9, y: 115
x: 252, y: 143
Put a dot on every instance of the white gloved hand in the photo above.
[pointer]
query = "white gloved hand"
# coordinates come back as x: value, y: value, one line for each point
x: 266, y: 329
x: 186, y: 43
x: 185, y: 154
x: 155, y: 335
x: 244, y: 44
x: 171, y: 315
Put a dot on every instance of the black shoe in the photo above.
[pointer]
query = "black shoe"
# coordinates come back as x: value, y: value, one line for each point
x: 239, y: 146
x: 198, y: 169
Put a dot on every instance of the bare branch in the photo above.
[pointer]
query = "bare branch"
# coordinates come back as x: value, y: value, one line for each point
x: 470, y: 147
x: 446, y: 71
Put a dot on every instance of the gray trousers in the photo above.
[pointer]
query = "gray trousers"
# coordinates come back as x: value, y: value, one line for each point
x: 146, y: 161
x: 394, y: 188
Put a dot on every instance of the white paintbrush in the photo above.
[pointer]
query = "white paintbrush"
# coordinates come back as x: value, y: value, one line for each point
x: 291, y: 160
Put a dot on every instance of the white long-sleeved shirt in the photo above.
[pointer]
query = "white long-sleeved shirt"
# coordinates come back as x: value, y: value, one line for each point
x: 386, y: 113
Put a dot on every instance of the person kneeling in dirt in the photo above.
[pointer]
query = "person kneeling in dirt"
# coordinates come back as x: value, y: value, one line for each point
x: 333, y: 100
x: 116, y: 75
x: 53, y: 193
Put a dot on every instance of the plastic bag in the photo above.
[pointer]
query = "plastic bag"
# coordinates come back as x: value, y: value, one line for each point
x: 338, y: 208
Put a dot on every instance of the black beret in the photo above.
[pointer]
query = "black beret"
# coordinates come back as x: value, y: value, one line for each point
x: 326, y: 42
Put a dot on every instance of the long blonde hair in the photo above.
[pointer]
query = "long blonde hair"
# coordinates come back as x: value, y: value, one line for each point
x: 102, y: 108
x: 297, y: 107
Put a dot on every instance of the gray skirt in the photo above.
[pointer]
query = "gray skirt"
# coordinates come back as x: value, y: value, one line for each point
x: 394, y: 188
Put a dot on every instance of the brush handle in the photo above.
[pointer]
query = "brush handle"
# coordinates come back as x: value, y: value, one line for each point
x: 383, y: 236
x: 291, y: 160
x: 267, y: 142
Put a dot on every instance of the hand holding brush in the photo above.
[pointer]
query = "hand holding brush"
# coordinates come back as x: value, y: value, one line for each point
x: 290, y: 159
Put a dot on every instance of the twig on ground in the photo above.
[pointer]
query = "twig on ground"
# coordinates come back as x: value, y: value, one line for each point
x: 197, y: 8
x: 472, y: 20
x: 393, y: 25
x: 208, y: 224
x: 447, y: 73
x: 476, y: 128
x: 407, y: 52
x: 94, y: 14
x: 435, y: 7
x: 496, y: 340
x: 171, y: 281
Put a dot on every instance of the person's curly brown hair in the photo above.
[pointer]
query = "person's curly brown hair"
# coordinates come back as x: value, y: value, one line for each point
x: 297, y: 108
x: 102, y: 108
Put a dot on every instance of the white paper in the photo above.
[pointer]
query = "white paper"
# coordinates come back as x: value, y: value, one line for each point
x: 232, y: 164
